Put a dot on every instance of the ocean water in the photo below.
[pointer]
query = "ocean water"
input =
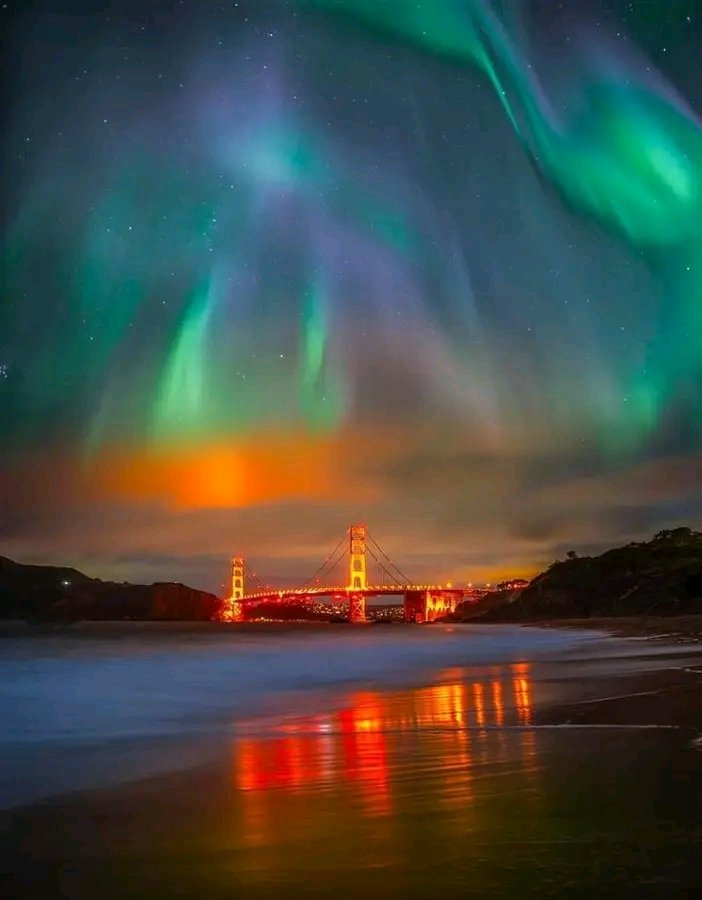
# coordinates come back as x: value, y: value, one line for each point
x: 195, y: 761
x: 96, y: 703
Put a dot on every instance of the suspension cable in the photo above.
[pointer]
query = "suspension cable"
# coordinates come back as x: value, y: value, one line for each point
x: 249, y: 573
x: 397, y: 570
x: 335, y: 562
x: 393, y: 578
x: 403, y: 577
x: 391, y: 570
x: 310, y: 581
x: 333, y: 566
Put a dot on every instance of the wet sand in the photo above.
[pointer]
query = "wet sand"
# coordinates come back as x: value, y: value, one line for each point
x: 568, y: 777
x: 672, y: 629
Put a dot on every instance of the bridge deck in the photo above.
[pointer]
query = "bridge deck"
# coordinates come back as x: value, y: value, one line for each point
x: 343, y: 593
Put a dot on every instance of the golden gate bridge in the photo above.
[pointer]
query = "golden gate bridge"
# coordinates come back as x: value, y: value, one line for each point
x: 422, y: 602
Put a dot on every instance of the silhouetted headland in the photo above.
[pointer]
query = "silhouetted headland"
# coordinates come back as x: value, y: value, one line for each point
x: 57, y: 594
x: 660, y: 577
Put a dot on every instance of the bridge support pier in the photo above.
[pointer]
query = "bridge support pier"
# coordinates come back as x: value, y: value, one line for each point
x: 230, y: 611
x: 357, y: 608
x: 235, y: 611
x: 429, y: 605
x: 414, y: 606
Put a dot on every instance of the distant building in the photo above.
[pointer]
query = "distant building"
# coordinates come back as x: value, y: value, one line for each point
x: 513, y: 584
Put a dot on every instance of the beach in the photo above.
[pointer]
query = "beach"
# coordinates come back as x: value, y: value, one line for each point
x: 430, y: 762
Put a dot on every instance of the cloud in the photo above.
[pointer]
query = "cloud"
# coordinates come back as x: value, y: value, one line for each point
x: 443, y: 505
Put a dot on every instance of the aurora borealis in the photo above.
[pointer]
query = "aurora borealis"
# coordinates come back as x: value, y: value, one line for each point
x: 272, y: 267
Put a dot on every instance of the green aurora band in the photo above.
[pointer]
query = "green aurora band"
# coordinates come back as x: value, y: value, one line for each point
x: 178, y: 308
x: 631, y: 158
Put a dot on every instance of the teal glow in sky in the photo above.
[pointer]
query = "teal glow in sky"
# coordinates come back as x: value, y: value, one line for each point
x: 450, y: 251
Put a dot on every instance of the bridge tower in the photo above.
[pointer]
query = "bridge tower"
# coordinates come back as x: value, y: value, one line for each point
x: 237, y: 578
x: 357, y: 573
x: 236, y: 609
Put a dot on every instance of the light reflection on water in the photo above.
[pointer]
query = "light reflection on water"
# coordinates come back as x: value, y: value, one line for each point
x: 446, y: 790
x: 379, y: 750
x: 443, y: 791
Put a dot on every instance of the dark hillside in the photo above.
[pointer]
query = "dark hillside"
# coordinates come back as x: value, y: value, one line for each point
x: 658, y: 577
x: 62, y: 594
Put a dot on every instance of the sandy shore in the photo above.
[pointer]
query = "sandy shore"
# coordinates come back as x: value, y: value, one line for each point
x: 576, y: 777
x: 671, y: 629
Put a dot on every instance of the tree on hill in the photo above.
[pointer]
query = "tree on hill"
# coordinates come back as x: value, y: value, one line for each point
x: 677, y: 536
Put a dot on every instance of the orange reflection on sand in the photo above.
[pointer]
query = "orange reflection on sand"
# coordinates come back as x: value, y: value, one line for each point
x: 521, y: 692
x: 264, y: 763
x: 479, y: 701
x: 455, y: 746
x: 364, y: 750
x: 456, y: 702
x: 497, y: 702
x: 439, y: 705
x: 358, y: 749
x: 257, y: 827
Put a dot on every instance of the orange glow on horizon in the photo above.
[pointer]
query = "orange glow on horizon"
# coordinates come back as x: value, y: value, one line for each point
x: 257, y: 468
x: 222, y: 475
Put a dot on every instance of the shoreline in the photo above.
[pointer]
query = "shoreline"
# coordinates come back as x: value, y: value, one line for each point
x: 684, y: 629
x: 678, y: 629
x: 554, y: 759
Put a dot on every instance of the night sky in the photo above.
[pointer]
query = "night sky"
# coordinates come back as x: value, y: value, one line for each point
x: 273, y: 267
